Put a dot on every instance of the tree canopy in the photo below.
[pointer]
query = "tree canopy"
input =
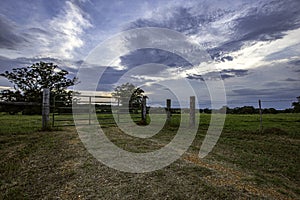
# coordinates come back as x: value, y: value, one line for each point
x: 30, y: 81
x: 129, y: 95
x: 296, y: 105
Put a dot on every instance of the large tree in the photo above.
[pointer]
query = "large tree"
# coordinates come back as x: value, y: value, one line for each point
x: 30, y: 81
x: 296, y: 105
x: 129, y: 95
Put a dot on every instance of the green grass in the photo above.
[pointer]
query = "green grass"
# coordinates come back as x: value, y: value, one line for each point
x: 19, y: 124
x: 284, y: 124
x: 271, y: 156
x: 37, y: 164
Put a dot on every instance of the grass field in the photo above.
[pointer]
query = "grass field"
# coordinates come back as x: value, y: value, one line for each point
x: 245, y: 163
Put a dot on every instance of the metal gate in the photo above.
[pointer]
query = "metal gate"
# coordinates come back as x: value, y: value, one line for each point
x: 108, y: 110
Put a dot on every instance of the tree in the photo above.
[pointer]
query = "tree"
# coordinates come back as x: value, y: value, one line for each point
x: 30, y: 81
x: 129, y: 95
x: 296, y: 105
x: 270, y: 111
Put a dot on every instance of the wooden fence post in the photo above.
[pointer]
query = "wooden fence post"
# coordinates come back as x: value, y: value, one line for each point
x: 90, y: 109
x: 144, y: 109
x: 53, y: 112
x: 118, y: 109
x: 168, y: 110
x: 192, y: 111
x: 260, y: 114
x: 45, y: 108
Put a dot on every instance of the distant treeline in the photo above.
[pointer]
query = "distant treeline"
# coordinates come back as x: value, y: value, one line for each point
x: 33, y: 109
x: 237, y: 110
x: 24, y: 109
x: 248, y: 110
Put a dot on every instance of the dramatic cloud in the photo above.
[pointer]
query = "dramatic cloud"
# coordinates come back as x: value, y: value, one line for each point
x: 9, y: 39
x: 224, y: 74
x: 144, y: 56
x: 229, y: 27
x: 58, y: 37
x: 68, y: 28
x: 254, y: 45
x: 291, y: 79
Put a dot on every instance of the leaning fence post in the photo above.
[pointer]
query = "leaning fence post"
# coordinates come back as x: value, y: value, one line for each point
x: 144, y: 109
x: 168, y: 110
x: 45, y: 108
x: 260, y: 114
x: 192, y: 111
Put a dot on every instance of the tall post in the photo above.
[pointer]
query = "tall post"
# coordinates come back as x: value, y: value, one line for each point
x: 45, y: 108
x: 192, y: 111
x: 53, y: 112
x: 90, y: 109
x: 168, y: 110
x: 144, y: 109
x: 260, y: 114
x: 118, y: 109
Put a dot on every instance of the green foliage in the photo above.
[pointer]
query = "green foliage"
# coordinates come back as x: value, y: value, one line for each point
x: 129, y: 95
x: 41, y: 75
x: 30, y: 81
x: 8, y: 95
x: 296, y: 105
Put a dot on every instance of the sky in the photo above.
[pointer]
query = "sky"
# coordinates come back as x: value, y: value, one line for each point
x: 253, y: 45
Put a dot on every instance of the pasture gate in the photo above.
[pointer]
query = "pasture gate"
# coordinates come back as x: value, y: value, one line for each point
x: 108, y: 110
